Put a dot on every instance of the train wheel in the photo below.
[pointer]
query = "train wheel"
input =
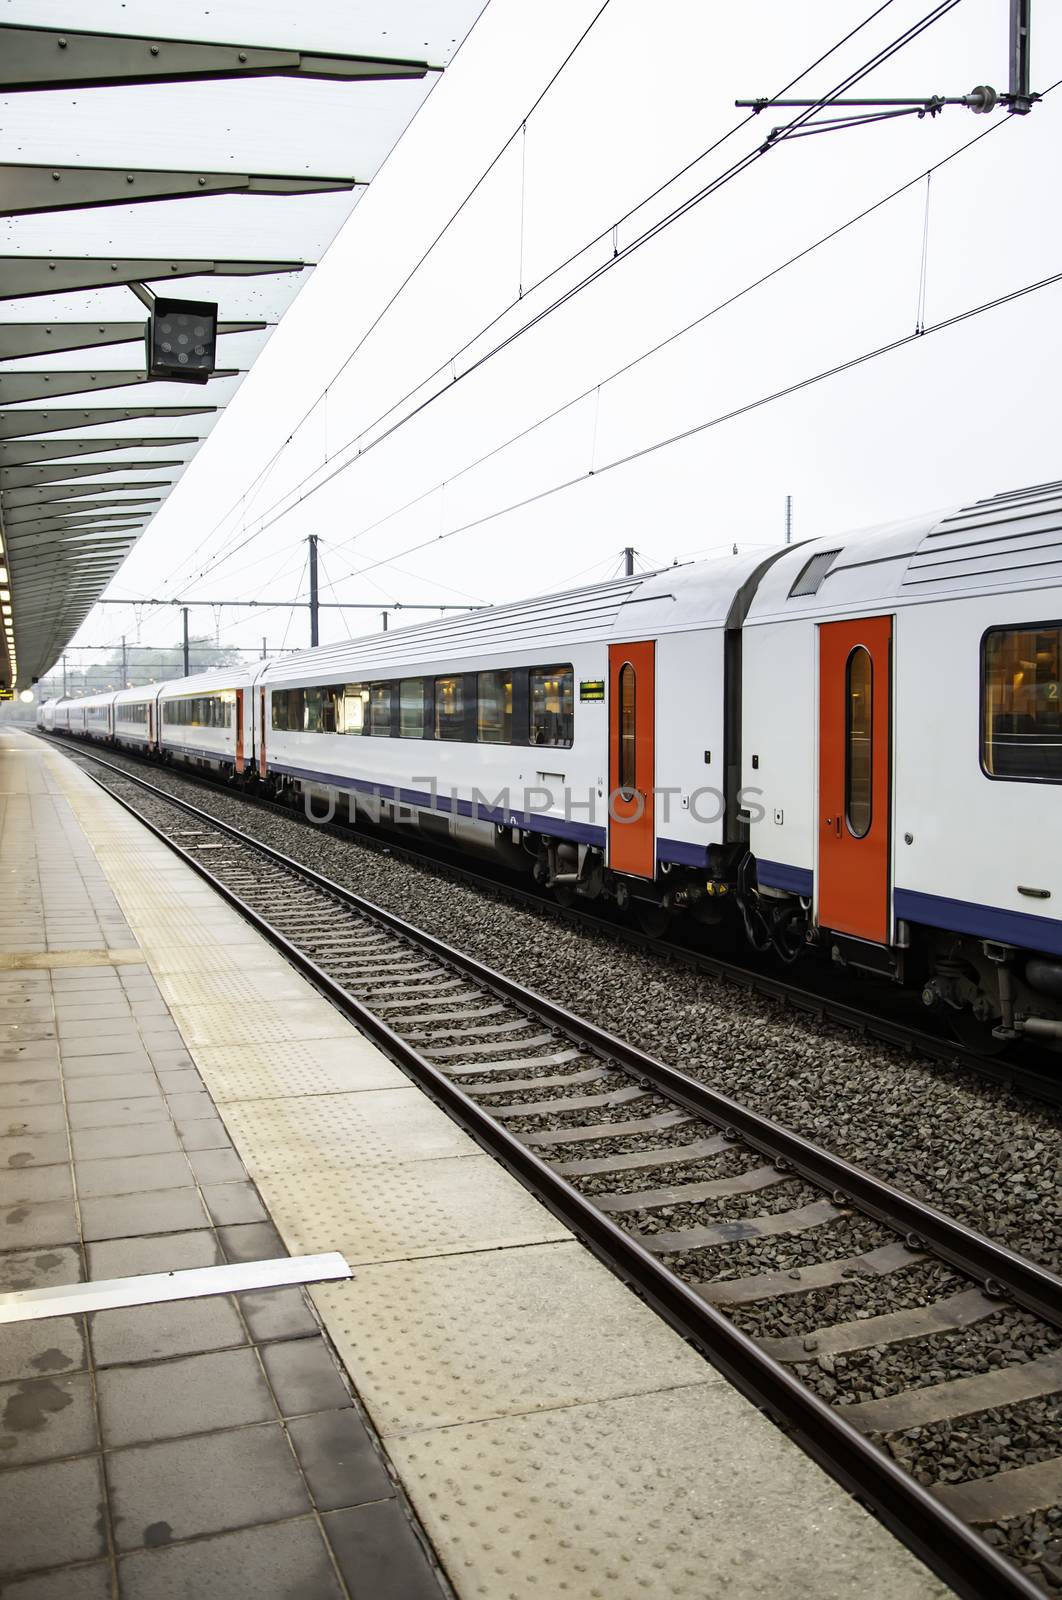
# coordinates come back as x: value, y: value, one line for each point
x: 653, y: 919
x: 974, y: 1035
x: 564, y: 894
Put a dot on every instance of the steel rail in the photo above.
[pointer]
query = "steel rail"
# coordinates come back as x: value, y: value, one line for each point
x: 939, y: 1538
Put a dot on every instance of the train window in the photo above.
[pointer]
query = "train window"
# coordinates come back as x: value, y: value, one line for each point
x: 627, y: 748
x: 1021, y: 702
x: 552, y: 705
x: 380, y: 710
x: 494, y: 707
x: 449, y: 708
x: 355, y: 709
x: 286, y: 710
x: 858, y: 742
x: 411, y: 708
x: 320, y: 708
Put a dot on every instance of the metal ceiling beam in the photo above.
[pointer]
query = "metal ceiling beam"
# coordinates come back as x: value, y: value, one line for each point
x: 15, y: 516
x: 41, y: 593
x: 27, y: 189
x: 35, y: 578
x: 12, y: 478
x: 24, y: 276
x: 21, y: 424
x: 45, y: 494
x: 49, y: 58
x: 16, y: 387
x: 46, y: 521
x: 31, y: 530
x: 35, y: 451
x: 42, y: 563
x: 20, y: 339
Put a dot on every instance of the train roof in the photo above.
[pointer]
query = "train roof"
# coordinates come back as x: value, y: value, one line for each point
x: 698, y: 594
x: 216, y: 678
x: 104, y: 698
x: 1007, y: 540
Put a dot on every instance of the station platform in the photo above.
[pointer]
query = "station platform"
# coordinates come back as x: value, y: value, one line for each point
x: 479, y: 1410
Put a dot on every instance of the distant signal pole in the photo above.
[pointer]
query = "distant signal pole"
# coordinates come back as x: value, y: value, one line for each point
x: 789, y: 519
x: 315, y: 609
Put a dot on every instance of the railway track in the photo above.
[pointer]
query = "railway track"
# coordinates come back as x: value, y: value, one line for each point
x: 822, y: 1292
x: 877, y: 1015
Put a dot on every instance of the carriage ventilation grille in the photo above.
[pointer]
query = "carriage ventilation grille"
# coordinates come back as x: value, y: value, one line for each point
x: 993, y: 539
x: 812, y: 573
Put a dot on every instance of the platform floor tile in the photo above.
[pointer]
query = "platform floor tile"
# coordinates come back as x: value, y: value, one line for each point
x: 457, y: 1339
x: 305, y: 1067
x: 389, y: 1126
x: 373, y: 1212
x: 231, y: 1022
x: 268, y: 1563
x: 722, y: 1502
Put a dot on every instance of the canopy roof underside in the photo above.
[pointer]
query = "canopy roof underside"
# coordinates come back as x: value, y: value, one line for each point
x: 217, y: 166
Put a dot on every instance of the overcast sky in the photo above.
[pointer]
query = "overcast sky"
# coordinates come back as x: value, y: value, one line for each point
x: 952, y: 416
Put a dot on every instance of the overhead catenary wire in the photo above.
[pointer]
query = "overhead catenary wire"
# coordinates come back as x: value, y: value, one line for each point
x: 619, y: 255
x: 747, y: 289
x: 729, y: 416
x: 679, y: 333
x: 291, y: 609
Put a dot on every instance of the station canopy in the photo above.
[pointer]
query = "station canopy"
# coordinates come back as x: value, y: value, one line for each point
x: 212, y: 160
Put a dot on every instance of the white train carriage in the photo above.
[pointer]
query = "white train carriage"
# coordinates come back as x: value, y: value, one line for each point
x: 46, y: 714
x: 135, y: 718
x: 495, y: 731
x: 205, y: 721
x: 902, y: 714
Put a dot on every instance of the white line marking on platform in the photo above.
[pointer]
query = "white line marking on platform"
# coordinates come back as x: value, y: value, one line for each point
x: 72, y: 1299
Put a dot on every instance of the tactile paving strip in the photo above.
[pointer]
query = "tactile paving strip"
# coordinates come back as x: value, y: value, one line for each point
x: 385, y: 1127
x: 457, y: 1339
x: 229, y: 1022
x: 546, y: 1505
x: 210, y: 957
x: 385, y: 1213
x: 313, y: 1067
x: 243, y: 987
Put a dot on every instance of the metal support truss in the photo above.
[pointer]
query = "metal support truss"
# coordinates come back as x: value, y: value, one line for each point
x: 24, y: 276
x: 38, y: 385
x: 19, y: 424
x: 32, y: 452
x: 69, y: 58
x: 26, y: 189
x: 21, y: 339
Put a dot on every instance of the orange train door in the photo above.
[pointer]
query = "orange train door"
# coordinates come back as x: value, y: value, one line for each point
x: 632, y: 759
x: 261, y: 734
x: 239, y: 730
x: 855, y: 712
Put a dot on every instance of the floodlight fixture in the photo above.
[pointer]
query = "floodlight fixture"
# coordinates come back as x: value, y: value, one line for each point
x: 182, y: 337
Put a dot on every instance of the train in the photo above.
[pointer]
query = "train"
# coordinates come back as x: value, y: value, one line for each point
x: 847, y: 749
